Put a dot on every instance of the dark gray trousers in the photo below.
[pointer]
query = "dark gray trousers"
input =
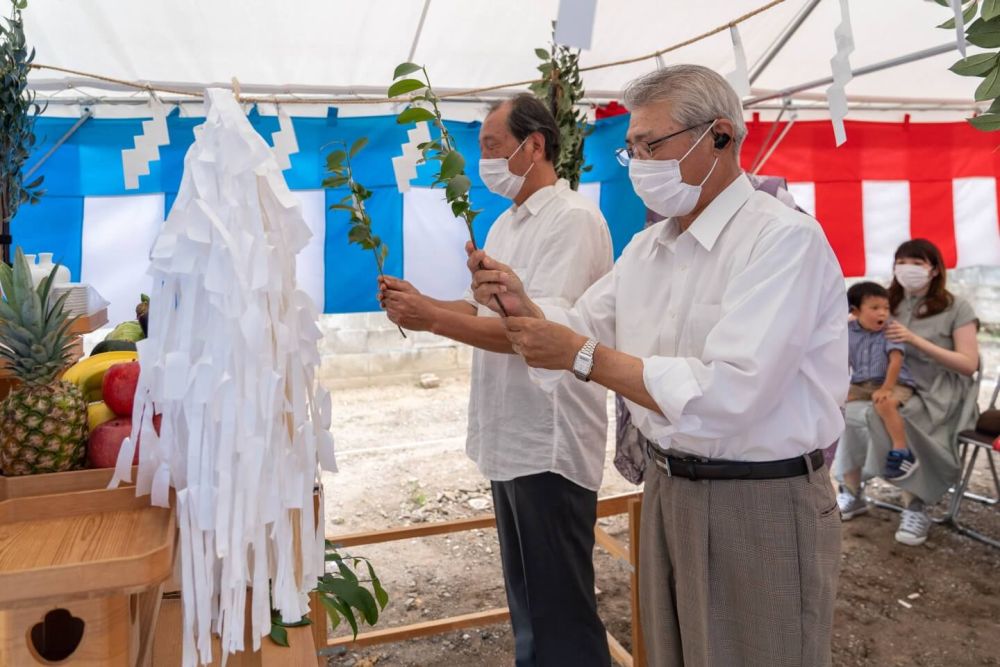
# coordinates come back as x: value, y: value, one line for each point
x: 546, y: 528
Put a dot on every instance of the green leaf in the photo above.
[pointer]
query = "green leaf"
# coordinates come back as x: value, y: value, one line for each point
x: 341, y: 609
x: 332, y: 612
x: 346, y: 571
x: 405, y: 86
x: 990, y: 86
x: 358, y: 145
x: 968, y: 14
x: 457, y: 187
x: 380, y: 594
x: 358, y: 234
x: 452, y: 165
x: 336, y: 158
x: 341, y: 207
x: 989, y: 122
x: 977, y: 65
x: 415, y: 115
x: 984, y: 34
x: 542, y: 53
x: 279, y: 635
x: 991, y: 9
x: 459, y: 207
x: 404, y: 69
x: 335, y: 182
x: 354, y: 595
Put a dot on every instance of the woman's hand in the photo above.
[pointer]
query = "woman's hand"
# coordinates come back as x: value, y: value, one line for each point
x: 898, y: 333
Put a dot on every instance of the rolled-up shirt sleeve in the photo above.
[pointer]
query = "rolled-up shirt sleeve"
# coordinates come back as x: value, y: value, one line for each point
x: 773, y: 311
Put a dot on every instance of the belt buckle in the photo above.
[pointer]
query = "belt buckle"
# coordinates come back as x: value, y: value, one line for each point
x: 659, y: 458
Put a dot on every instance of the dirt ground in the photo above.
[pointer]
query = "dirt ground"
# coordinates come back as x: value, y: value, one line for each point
x: 402, y: 461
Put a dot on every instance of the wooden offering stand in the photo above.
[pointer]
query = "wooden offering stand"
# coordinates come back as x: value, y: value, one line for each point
x: 82, y: 569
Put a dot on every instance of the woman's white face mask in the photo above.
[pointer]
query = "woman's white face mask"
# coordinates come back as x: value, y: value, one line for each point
x: 660, y: 186
x: 497, y: 176
x: 912, y: 277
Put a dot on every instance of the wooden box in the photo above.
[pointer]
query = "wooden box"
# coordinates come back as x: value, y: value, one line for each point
x: 81, y: 570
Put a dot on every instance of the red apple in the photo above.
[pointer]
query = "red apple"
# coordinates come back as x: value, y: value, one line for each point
x: 119, y: 386
x: 105, y: 442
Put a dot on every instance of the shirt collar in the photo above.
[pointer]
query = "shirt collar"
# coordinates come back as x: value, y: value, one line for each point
x: 538, y: 200
x: 707, y: 227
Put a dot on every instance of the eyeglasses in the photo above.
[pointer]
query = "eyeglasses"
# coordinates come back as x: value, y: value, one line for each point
x: 643, y: 150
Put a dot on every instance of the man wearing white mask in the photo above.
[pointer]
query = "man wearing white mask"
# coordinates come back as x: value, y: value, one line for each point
x: 543, y: 452
x: 723, y: 327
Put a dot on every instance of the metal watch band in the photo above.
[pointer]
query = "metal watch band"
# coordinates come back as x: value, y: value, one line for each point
x: 583, y: 365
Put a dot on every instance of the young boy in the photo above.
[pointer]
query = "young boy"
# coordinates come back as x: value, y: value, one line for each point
x: 878, y: 373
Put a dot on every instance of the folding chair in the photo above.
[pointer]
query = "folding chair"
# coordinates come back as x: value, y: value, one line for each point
x: 973, y: 442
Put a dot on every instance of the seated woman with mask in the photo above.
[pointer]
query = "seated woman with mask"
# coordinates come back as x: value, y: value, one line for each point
x: 939, y: 330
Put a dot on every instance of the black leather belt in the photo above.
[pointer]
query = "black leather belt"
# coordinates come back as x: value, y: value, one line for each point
x: 700, y: 468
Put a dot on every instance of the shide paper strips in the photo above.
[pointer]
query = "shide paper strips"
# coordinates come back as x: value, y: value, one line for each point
x: 230, y: 364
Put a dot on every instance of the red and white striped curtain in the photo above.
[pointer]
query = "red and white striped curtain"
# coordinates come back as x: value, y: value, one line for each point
x: 891, y: 182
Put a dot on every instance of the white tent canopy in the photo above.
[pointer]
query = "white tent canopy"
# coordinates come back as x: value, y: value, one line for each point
x: 336, y: 47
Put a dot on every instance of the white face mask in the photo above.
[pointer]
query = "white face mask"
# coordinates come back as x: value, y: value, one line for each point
x: 660, y: 186
x: 497, y: 176
x: 912, y: 277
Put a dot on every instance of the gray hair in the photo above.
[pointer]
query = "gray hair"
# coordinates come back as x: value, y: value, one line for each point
x: 697, y: 94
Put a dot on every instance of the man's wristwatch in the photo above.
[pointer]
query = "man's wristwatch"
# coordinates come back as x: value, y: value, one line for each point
x: 583, y: 365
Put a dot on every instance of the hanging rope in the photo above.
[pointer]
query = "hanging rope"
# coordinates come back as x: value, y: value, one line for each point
x: 290, y: 98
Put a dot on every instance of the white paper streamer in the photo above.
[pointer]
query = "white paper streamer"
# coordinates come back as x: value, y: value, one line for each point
x: 836, y: 94
x: 404, y: 166
x: 956, y: 7
x: 284, y: 141
x: 135, y: 161
x: 575, y: 23
x: 739, y: 78
x: 230, y: 364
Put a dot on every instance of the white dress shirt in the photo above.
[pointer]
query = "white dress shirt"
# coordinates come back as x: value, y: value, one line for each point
x: 558, y: 242
x: 741, y: 324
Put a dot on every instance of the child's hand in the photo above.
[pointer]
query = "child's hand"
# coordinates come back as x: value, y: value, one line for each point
x: 880, y: 395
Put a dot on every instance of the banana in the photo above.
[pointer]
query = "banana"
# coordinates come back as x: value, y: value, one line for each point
x: 88, y: 374
x: 98, y: 413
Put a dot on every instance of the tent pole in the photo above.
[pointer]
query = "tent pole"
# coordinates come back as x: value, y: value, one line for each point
x: 867, y: 69
x: 87, y: 114
x: 770, y: 135
x: 755, y: 169
x: 420, y: 28
x: 783, y: 38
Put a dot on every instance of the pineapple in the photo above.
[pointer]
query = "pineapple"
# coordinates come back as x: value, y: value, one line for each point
x: 43, y: 422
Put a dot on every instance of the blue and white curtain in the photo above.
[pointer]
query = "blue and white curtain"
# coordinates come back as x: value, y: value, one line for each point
x: 102, y: 232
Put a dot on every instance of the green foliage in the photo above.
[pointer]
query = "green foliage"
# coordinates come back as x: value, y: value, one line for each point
x: 18, y: 111
x: 451, y: 169
x: 338, y: 165
x: 983, y: 32
x: 343, y: 594
x: 562, y: 89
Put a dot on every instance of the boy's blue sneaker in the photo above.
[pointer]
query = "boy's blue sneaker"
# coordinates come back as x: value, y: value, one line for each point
x: 900, y: 464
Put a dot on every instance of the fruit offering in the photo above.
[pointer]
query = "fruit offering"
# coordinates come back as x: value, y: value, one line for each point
x: 43, y: 423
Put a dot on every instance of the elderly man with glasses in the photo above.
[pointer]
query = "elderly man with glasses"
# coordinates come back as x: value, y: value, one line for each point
x: 723, y: 327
